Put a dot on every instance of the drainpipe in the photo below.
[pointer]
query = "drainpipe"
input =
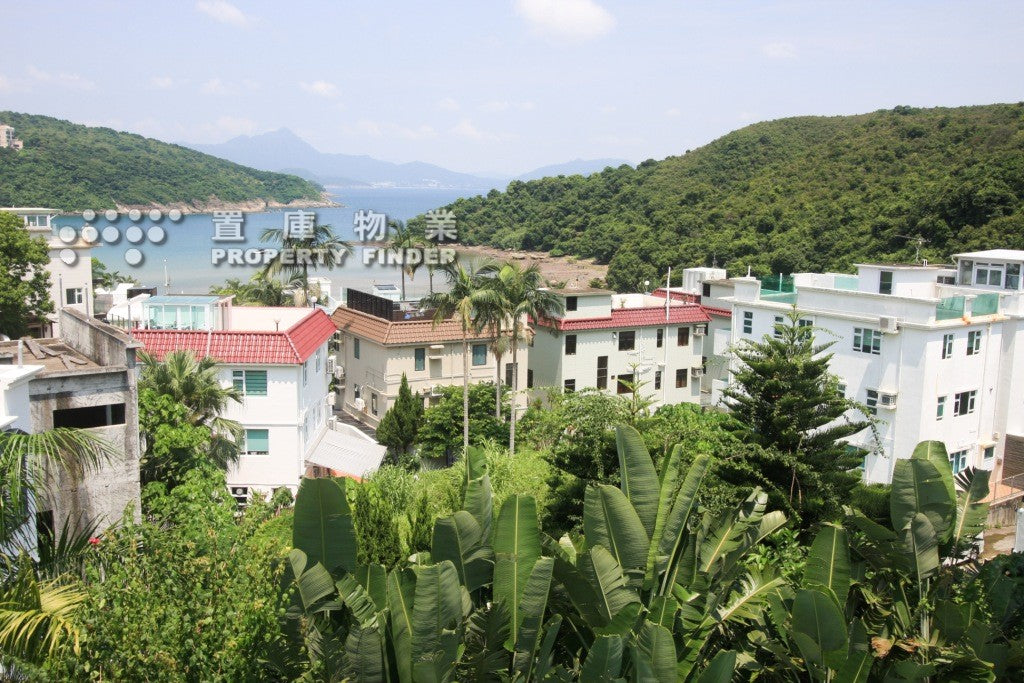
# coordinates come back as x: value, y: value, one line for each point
x: 668, y: 305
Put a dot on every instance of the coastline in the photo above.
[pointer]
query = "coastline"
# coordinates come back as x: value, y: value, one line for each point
x: 248, y: 206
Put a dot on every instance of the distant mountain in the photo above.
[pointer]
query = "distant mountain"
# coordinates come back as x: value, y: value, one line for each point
x: 72, y: 167
x: 575, y: 167
x: 283, y: 149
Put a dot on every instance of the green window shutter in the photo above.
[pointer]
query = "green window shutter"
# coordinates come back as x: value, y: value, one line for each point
x: 256, y: 383
x: 257, y: 441
x: 421, y: 359
x: 479, y: 354
x: 238, y: 380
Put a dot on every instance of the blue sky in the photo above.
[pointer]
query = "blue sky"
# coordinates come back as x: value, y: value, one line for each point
x: 498, y: 86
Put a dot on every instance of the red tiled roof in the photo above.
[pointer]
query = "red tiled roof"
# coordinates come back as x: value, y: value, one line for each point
x: 386, y: 332
x: 292, y: 346
x: 722, y: 312
x: 693, y: 298
x: 653, y: 316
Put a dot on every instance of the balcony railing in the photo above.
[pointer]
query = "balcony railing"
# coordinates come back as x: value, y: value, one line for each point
x: 1007, y: 489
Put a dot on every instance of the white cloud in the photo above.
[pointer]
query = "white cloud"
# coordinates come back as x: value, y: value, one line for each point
x: 468, y: 130
x: 574, y: 20
x: 779, y: 49
x: 228, y: 127
x: 380, y: 129
x: 222, y: 11
x: 162, y: 82
x: 321, y: 88
x: 673, y: 112
x: 526, y: 106
x: 66, y: 80
x: 214, y: 86
x: 447, y: 104
x: 494, y: 106
x: 608, y: 109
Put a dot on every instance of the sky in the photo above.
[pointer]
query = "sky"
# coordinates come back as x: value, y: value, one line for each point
x: 498, y: 86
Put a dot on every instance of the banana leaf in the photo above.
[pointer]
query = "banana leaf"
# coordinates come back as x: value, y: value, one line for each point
x: 610, y: 520
x: 639, y: 479
x: 322, y: 526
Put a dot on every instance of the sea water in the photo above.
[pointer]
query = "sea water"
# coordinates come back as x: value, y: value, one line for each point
x: 183, y: 258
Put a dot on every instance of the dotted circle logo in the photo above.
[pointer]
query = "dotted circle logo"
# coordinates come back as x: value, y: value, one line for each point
x: 111, y: 234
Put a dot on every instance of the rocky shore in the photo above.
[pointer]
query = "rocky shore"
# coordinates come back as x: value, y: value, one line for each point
x: 249, y: 206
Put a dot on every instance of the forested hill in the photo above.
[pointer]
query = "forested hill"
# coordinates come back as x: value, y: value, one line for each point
x: 795, y: 194
x: 71, y: 167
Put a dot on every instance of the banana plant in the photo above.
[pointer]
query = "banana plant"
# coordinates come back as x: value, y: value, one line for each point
x: 657, y: 580
x: 904, y: 588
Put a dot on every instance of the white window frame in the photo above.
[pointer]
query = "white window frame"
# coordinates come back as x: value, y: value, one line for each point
x: 958, y: 460
x: 959, y: 409
x: 974, y: 342
x: 864, y: 340
x: 77, y: 298
x: 947, y: 345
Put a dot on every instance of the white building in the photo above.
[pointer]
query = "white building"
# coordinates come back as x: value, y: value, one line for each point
x: 278, y: 360
x: 70, y: 268
x: 382, y: 339
x: 609, y: 341
x: 7, y: 139
x: 933, y: 352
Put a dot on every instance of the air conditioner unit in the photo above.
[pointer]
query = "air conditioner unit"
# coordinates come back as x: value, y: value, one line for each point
x: 889, y: 324
x: 435, y: 389
x: 700, y: 330
x: 330, y: 399
x: 887, y: 400
x: 339, y: 372
x: 330, y: 366
x: 240, y: 491
x: 696, y: 372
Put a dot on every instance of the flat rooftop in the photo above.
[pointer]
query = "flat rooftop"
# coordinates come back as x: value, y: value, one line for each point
x: 185, y: 299
x: 997, y: 254
x: 54, y: 355
x: 582, y: 291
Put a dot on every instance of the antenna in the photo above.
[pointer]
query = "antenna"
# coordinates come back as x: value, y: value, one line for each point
x: 918, y: 243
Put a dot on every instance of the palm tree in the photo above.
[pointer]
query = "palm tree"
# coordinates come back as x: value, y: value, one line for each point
x: 524, y: 295
x: 35, y: 612
x: 323, y: 238
x: 195, y: 384
x: 468, y: 294
x: 403, y: 238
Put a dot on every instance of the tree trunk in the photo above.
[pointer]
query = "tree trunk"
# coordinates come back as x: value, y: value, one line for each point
x: 497, y: 388
x: 403, y: 282
x: 515, y: 389
x: 465, y: 393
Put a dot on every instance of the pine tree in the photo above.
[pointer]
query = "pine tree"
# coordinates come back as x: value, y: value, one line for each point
x: 785, y: 400
x: 399, y: 426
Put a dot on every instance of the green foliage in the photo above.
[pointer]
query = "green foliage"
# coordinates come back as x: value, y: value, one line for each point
x: 784, y: 400
x: 101, y: 277
x: 440, y: 434
x: 401, y: 423
x: 260, y: 290
x: 805, y: 193
x: 71, y: 167
x: 24, y: 280
x: 186, y: 594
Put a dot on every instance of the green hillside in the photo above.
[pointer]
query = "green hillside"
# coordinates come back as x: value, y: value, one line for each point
x: 795, y: 194
x: 71, y: 167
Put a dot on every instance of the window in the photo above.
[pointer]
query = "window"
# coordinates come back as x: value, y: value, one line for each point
x: 805, y: 322
x: 963, y: 403
x: 627, y: 340
x: 661, y: 337
x: 355, y: 348
x: 529, y: 378
x: 872, y: 402
x: 988, y: 274
x: 947, y: 345
x: 250, y: 382
x: 317, y: 361
x: 958, y: 461
x: 479, y: 354
x: 74, y: 295
x: 570, y: 386
x: 602, y: 372
x: 625, y: 385
x: 748, y: 322
x: 841, y: 389
x: 420, y: 356
x: 681, y: 378
x: 256, y: 442
x: 777, y: 327
x: 867, y: 341
x: 1012, y: 276
x: 705, y: 289
x: 885, y: 282
x: 973, y: 342
x: 683, y: 336
x: 657, y: 379
x: 571, y: 303
x: 373, y: 403
x: 988, y: 452
x: 510, y: 371
x: 89, y: 416
x: 570, y: 344
x: 940, y: 408
x: 305, y: 372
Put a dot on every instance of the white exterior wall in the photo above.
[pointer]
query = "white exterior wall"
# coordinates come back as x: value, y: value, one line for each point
x: 379, y: 369
x: 283, y: 412
x: 910, y: 365
x: 551, y: 366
